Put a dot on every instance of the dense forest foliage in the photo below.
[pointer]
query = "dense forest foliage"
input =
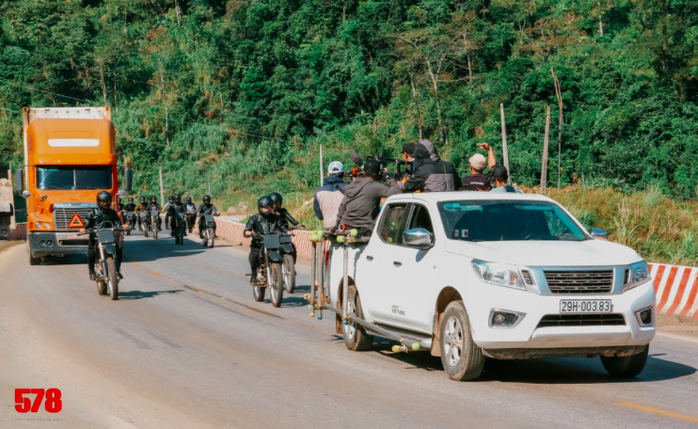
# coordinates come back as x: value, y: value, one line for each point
x: 238, y: 95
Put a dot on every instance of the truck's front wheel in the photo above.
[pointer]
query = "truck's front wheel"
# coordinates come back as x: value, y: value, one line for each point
x: 355, y: 337
x: 625, y: 367
x: 461, y: 357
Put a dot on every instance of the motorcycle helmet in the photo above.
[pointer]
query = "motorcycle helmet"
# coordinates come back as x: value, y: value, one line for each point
x: 153, y: 200
x: 207, y: 199
x: 177, y: 198
x: 141, y: 200
x: 276, y: 199
x: 262, y: 203
x: 187, y: 200
x: 170, y: 199
x: 104, y: 200
x: 130, y: 200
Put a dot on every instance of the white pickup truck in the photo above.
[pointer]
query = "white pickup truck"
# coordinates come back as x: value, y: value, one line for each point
x: 472, y: 276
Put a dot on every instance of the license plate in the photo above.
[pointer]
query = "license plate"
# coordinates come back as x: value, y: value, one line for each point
x: 586, y: 306
x: 74, y: 237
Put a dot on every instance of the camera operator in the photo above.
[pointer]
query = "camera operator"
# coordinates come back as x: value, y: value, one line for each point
x: 431, y: 174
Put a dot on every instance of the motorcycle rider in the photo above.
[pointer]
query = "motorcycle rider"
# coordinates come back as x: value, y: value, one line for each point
x: 155, y: 206
x: 130, y: 207
x: 284, y: 217
x: 265, y: 222
x: 166, y: 209
x: 141, y: 207
x: 190, y: 210
x: 206, y: 209
x: 96, y: 219
x: 176, y: 208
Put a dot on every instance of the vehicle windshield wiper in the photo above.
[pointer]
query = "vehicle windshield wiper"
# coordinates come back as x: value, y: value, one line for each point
x: 49, y: 187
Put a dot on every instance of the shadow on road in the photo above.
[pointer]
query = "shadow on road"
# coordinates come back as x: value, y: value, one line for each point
x: 137, y: 294
x: 293, y: 302
x: 547, y: 371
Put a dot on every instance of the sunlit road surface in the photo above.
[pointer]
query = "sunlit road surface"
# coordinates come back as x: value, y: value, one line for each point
x: 186, y: 346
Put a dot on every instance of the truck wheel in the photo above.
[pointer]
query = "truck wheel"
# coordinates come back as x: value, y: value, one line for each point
x: 289, y: 270
x: 626, y: 367
x: 355, y: 337
x: 461, y: 357
x: 112, y: 279
x: 277, y: 285
x: 33, y: 260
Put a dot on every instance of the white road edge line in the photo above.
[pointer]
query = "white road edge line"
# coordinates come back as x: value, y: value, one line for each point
x: 678, y: 337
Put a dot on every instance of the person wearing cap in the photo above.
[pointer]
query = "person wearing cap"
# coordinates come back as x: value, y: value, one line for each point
x: 408, y: 157
x: 329, y: 196
x: 362, y: 198
x: 501, y: 180
x: 431, y: 174
x: 478, y: 181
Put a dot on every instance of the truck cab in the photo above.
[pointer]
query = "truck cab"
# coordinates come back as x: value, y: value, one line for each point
x: 70, y: 156
x: 506, y: 276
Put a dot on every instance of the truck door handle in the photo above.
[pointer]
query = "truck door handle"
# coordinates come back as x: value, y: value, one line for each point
x: 397, y: 263
x: 369, y: 257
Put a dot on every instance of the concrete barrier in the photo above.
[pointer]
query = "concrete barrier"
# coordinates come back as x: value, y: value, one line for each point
x: 676, y: 288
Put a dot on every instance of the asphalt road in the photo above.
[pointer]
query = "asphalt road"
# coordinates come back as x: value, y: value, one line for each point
x: 186, y: 346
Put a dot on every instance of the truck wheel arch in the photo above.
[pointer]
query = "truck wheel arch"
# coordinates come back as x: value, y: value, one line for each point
x: 446, y: 296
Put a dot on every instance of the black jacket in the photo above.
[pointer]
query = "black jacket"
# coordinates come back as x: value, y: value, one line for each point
x: 264, y: 225
x: 285, y: 217
x: 97, y: 217
x: 130, y: 207
x: 207, y: 210
x: 431, y: 174
x: 361, y: 203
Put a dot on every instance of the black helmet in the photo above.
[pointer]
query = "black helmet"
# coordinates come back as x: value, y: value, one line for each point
x: 104, y: 200
x: 177, y: 198
x: 265, y: 201
x: 153, y: 200
x: 276, y: 198
x: 207, y: 199
x: 130, y: 200
x: 187, y: 200
x: 141, y: 200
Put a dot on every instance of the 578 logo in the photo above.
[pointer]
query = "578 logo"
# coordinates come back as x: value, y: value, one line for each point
x: 24, y: 404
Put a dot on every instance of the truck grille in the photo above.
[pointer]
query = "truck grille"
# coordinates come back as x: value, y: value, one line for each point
x: 581, y: 320
x: 580, y: 281
x: 63, y: 213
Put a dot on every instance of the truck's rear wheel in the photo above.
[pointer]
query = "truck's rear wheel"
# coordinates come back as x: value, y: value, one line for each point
x: 355, y: 337
x: 626, y: 367
x: 461, y: 357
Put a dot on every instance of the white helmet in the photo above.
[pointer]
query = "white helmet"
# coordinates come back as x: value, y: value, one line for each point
x: 335, y: 167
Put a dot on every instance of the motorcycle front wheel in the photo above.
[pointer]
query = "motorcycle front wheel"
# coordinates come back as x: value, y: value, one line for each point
x: 276, y: 286
x: 112, y: 278
x: 289, y: 273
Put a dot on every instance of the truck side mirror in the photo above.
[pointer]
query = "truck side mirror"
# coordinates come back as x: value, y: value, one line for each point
x: 419, y: 238
x: 19, y: 180
x: 128, y: 179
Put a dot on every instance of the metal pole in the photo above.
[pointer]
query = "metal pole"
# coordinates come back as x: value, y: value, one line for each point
x: 321, y: 169
x: 345, y: 283
x: 313, y: 269
x: 544, y: 168
x: 505, y: 150
x: 162, y: 188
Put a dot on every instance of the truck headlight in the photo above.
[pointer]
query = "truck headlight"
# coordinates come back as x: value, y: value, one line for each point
x: 37, y: 224
x: 498, y: 274
x: 639, y: 274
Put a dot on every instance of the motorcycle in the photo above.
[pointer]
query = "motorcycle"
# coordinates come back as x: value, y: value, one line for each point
x: 190, y: 219
x: 208, y: 233
x: 105, y: 263
x: 143, y: 222
x: 153, y: 223
x: 269, y: 273
x: 178, y: 228
x: 130, y: 218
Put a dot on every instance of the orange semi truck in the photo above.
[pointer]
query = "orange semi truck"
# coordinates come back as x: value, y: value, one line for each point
x: 69, y: 156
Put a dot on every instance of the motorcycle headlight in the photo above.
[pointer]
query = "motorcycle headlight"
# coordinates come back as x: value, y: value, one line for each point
x: 639, y: 274
x: 498, y: 274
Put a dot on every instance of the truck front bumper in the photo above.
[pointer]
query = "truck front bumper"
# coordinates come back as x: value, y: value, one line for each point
x: 530, y: 333
x: 53, y: 243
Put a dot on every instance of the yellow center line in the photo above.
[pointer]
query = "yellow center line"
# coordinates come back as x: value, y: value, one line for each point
x: 658, y: 411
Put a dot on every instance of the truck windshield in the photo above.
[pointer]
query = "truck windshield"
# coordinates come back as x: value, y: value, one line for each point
x: 505, y: 220
x: 71, y: 177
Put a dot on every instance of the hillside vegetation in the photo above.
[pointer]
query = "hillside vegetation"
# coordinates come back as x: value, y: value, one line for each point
x: 235, y: 97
